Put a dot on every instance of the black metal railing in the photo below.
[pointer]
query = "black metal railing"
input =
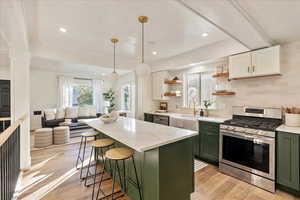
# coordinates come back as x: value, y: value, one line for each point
x: 4, y: 123
x: 9, y: 161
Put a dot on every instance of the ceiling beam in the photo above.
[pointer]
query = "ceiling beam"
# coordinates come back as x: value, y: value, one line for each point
x: 243, y: 12
x: 181, y: 2
x: 229, y: 18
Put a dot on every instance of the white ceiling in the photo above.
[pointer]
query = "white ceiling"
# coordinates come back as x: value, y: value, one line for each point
x: 174, y: 29
x: 45, y: 64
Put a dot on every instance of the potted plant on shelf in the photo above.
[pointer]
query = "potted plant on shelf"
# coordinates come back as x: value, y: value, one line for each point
x: 207, y: 104
x: 109, y: 98
x: 292, y: 116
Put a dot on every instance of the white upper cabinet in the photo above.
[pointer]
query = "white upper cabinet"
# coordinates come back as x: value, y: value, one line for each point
x: 266, y: 61
x: 239, y: 65
x: 257, y: 63
x: 159, y: 88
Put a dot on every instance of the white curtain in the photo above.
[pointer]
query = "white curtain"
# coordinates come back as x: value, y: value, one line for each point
x: 97, y: 95
x: 65, y: 91
x: 207, y: 87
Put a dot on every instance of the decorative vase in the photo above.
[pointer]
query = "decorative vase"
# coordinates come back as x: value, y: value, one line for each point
x: 292, y: 119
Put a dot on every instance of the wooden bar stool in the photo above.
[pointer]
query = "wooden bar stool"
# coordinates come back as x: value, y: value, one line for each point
x: 83, y: 142
x: 99, y: 144
x: 119, y: 154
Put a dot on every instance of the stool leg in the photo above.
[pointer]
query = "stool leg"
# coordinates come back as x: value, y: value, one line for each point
x: 124, y: 174
x: 79, y: 156
x: 95, y: 175
x: 114, y: 179
x: 137, y: 178
x: 83, y: 157
x: 101, y: 179
x: 118, y: 168
x: 88, y: 168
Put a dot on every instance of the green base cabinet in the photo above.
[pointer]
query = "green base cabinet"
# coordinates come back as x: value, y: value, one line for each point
x: 148, y: 117
x: 288, y: 162
x: 209, y: 141
x: 165, y: 173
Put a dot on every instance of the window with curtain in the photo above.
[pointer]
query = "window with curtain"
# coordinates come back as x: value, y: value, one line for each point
x: 198, y: 87
x: 127, y: 97
x: 82, y: 92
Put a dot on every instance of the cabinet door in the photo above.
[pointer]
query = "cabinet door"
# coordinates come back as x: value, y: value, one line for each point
x: 196, y: 146
x: 209, y: 141
x: 148, y: 117
x: 266, y: 61
x: 288, y: 160
x: 239, y: 66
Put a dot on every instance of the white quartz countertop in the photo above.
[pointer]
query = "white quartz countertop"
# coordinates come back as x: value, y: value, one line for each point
x: 289, y: 129
x: 140, y: 135
x: 192, y: 117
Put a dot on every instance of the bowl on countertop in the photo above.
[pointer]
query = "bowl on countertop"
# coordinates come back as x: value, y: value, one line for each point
x: 107, y: 119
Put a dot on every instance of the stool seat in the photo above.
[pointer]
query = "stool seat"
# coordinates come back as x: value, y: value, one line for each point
x: 102, y: 143
x: 89, y: 134
x: 119, y: 153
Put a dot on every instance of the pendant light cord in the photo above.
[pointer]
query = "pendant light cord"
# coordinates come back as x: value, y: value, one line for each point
x: 142, y: 42
x: 114, y: 57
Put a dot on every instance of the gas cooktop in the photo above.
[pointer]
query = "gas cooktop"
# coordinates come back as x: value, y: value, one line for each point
x: 267, y: 124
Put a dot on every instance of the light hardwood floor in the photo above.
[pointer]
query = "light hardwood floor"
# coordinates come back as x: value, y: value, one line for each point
x: 54, y: 177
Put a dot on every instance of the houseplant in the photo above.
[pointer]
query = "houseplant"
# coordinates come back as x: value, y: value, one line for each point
x: 109, y: 97
x: 292, y: 116
x: 207, y: 104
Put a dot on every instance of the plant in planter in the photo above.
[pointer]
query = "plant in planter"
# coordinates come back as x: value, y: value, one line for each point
x: 109, y: 97
x: 207, y: 104
x: 292, y: 116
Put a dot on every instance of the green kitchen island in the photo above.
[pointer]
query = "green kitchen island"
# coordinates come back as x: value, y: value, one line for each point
x: 164, y: 157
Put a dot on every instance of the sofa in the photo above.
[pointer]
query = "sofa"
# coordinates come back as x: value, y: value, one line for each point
x: 52, y: 117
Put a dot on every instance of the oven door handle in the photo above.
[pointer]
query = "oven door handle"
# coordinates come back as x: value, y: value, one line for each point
x: 254, y: 138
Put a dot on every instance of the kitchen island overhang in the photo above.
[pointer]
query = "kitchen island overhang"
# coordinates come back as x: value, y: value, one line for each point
x: 164, y: 156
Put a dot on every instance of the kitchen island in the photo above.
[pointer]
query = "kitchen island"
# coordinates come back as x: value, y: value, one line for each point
x: 164, y: 157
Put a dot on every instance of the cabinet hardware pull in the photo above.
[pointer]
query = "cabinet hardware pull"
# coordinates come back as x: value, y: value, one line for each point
x: 248, y: 69
x: 253, y: 68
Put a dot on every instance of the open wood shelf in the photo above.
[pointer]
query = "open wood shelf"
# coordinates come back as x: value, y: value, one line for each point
x: 223, y: 93
x: 221, y: 75
x: 168, y: 94
x: 173, y: 82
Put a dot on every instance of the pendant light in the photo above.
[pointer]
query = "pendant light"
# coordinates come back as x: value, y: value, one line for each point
x: 114, y: 74
x: 143, y: 69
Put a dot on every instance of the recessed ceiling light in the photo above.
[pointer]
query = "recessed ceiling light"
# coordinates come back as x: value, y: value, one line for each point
x: 154, y: 52
x: 62, y: 30
x: 204, y: 34
x: 104, y: 74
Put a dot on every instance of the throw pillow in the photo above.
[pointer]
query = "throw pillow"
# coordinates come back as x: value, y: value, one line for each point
x: 50, y: 114
x: 60, y: 113
x: 71, y: 112
x: 83, y: 112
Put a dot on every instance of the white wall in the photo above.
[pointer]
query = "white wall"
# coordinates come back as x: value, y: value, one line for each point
x: 264, y: 91
x: 44, y: 92
x: 4, y: 73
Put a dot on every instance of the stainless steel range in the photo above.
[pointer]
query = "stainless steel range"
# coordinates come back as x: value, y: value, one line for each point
x: 247, y: 145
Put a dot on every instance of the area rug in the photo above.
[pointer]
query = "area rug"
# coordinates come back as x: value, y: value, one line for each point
x: 199, y: 165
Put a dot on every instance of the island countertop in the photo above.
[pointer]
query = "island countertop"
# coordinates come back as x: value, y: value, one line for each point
x: 140, y: 135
